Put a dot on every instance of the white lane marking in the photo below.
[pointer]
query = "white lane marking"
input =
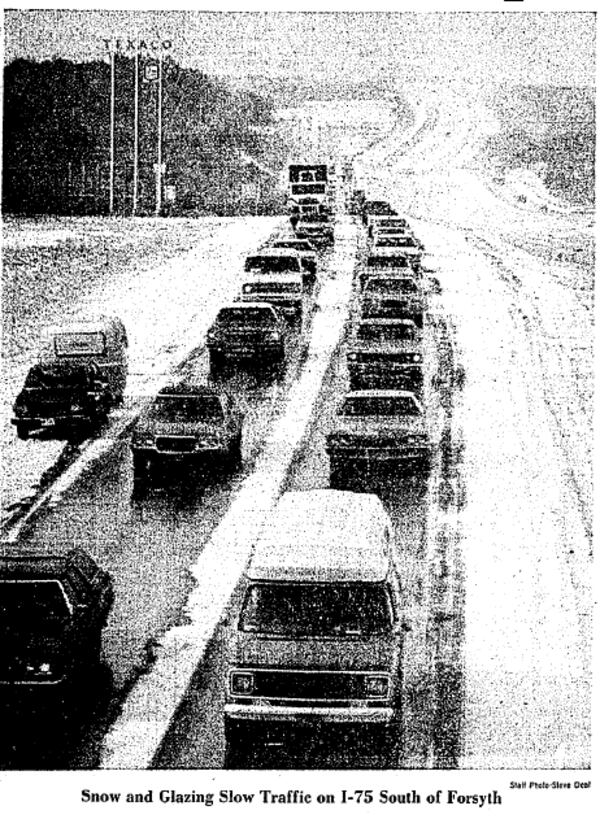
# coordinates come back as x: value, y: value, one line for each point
x: 149, y: 709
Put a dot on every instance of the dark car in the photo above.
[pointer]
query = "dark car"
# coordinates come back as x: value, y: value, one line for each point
x: 53, y: 608
x: 318, y: 228
x: 187, y: 422
x: 252, y: 331
x: 385, y: 354
x: 393, y: 297
x: 376, y: 428
x: 377, y: 207
x: 61, y: 395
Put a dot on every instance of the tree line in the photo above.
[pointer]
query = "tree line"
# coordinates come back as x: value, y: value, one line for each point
x: 56, y: 141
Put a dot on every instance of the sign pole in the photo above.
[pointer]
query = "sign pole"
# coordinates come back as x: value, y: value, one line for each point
x: 111, y: 179
x: 136, y: 105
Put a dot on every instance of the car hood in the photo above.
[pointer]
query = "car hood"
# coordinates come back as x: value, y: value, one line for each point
x: 350, y: 654
x: 151, y: 426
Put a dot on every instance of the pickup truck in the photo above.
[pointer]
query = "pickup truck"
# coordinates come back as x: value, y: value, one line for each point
x: 186, y: 423
x: 393, y: 297
x: 375, y: 428
x: 61, y: 396
x: 385, y: 354
x: 252, y: 331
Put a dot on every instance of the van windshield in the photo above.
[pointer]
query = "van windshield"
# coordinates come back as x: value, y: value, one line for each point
x: 317, y: 609
x: 79, y: 343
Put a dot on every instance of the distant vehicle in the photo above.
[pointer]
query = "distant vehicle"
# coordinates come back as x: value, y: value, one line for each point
x: 284, y: 291
x: 377, y: 223
x: 101, y: 341
x: 305, y: 248
x: 376, y: 428
x: 253, y: 331
x: 385, y: 354
x: 62, y: 396
x: 401, y: 269
x: 53, y: 608
x: 377, y: 207
x: 392, y: 248
x: 318, y: 639
x: 393, y: 297
x: 356, y: 202
x: 188, y: 423
x: 281, y: 260
x: 318, y: 228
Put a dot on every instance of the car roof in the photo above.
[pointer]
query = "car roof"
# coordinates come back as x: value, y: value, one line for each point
x: 290, y: 277
x: 385, y: 322
x: 248, y: 305
x: 321, y: 536
x: 379, y: 394
x: 85, y: 324
x: 274, y: 251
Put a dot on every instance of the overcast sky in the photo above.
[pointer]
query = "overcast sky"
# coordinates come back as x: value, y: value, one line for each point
x: 555, y: 48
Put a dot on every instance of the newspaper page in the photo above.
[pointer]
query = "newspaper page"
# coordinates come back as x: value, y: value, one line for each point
x: 297, y: 388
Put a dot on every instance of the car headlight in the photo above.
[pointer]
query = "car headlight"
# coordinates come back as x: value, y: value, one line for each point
x: 40, y: 669
x: 352, y: 356
x: 273, y: 336
x: 76, y: 407
x: 376, y: 686
x: 242, y: 682
x: 247, y: 288
x: 417, y: 357
x: 143, y: 440
x: 211, y: 335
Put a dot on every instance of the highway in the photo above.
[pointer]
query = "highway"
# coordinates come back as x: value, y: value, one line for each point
x: 494, y: 543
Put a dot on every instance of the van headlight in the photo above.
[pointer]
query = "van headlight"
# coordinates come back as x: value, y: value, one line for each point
x: 242, y: 682
x: 376, y: 686
x: 273, y: 336
x: 352, y: 356
x: 143, y: 440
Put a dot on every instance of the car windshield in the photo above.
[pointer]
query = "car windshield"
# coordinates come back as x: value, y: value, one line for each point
x: 380, y: 405
x: 272, y: 264
x: 391, y: 223
x: 317, y: 609
x: 56, y: 378
x: 79, y: 343
x: 27, y: 604
x: 186, y: 408
x: 386, y: 332
x: 391, y: 286
x: 249, y: 315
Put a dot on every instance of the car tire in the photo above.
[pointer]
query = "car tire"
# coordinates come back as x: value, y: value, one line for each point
x: 238, y: 744
x: 235, y: 452
x: 338, y: 477
x: 23, y: 431
x: 215, y: 364
x: 140, y: 467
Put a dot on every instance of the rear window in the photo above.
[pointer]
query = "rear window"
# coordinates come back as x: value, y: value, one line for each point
x: 395, y: 241
x: 387, y: 261
x: 188, y: 407
x: 247, y: 316
x: 381, y: 405
x: 317, y: 609
x: 272, y: 264
x: 25, y: 604
x: 79, y: 344
x: 391, y: 286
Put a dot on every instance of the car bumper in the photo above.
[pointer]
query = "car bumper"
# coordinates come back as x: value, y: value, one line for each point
x: 368, y: 456
x: 173, y: 454
x: 379, y: 715
x: 48, y: 421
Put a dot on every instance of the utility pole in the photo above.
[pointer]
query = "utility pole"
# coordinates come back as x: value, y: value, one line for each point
x: 136, y: 116
x: 159, y: 138
x: 111, y: 174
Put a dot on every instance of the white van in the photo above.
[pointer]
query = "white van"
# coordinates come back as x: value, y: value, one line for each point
x: 319, y: 634
x: 101, y: 341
